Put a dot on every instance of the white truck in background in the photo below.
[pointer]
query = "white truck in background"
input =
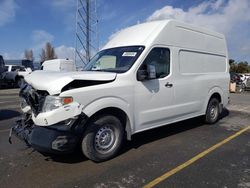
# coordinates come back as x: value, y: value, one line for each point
x: 14, y: 74
x: 149, y: 75
x: 58, y: 65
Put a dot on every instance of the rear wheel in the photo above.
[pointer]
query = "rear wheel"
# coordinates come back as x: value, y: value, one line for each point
x: 213, y: 111
x: 103, y: 138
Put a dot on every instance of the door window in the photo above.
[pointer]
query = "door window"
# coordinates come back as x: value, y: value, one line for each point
x: 160, y: 58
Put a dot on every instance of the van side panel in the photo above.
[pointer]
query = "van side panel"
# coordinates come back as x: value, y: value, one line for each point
x: 199, y: 62
x: 199, y: 75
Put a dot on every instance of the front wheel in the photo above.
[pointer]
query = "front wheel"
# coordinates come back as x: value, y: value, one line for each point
x: 103, y: 138
x: 213, y: 111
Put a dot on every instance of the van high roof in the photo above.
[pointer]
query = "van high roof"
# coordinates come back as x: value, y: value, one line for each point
x: 170, y: 32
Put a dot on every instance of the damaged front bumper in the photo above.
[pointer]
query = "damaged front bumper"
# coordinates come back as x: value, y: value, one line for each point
x: 57, y: 138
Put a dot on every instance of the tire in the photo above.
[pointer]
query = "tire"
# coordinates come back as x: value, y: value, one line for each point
x: 103, y: 138
x: 19, y: 82
x: 244, y: 87
x: 212, y: 112
x: 239, y: 88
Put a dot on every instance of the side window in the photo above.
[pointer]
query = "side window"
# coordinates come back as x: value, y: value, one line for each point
x: 160, y: 58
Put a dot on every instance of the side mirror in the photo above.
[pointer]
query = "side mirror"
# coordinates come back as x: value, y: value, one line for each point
x: 148, y: 73
x: 142, y: 75
x: 151, y: 71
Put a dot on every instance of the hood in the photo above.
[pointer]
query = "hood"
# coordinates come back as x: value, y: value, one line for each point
x: 53, y: 82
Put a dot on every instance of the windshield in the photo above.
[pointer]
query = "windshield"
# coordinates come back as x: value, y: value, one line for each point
x: 117, y: 60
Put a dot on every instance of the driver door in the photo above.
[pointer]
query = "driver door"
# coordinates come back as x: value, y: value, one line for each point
x: 154, y: 97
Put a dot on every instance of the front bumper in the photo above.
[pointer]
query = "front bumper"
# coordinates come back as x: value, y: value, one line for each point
x: 58, y: 138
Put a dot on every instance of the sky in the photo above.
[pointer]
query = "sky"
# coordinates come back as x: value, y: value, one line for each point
x: 26, y: 24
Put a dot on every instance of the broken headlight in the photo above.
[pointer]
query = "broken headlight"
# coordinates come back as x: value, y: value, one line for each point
x: 54, y: 102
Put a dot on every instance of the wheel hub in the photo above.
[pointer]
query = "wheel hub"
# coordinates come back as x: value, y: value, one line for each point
x: 213, y: 112
x: 104, y: 139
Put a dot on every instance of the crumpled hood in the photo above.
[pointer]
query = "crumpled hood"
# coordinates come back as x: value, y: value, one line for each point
x: 53, y: 82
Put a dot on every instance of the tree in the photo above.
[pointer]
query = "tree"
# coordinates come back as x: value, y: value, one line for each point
x: 28, y: 54
x: 48, y: 53
x: 233, y: 65
x: 242, y: 67
x: 42, y: 56
x: 239, y: 67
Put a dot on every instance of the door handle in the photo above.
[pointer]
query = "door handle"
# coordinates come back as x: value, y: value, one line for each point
x: 168, y: 85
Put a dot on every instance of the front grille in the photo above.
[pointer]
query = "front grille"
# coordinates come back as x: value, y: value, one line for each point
x: 34, y: 98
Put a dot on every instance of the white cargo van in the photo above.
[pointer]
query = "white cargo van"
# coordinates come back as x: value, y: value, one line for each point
x: 147, y: 76
x: 58, y: 65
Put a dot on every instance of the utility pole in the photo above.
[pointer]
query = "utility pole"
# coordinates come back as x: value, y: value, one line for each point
x: 87, y: 41
x: 87, y: 31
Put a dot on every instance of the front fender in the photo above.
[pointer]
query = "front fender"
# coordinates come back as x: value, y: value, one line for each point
x: 107, y: 102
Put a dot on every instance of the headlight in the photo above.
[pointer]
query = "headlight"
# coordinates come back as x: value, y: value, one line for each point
x: 54, y: 102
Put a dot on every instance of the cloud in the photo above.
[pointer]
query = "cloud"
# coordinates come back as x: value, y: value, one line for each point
x: 12, y: 55
x: 67, y: 11
x: 64, y: 52
x: 229, y: 17
x: 106, y: 11
x: 63, y: 3
x: 40, y: 37
x: 7, y: 11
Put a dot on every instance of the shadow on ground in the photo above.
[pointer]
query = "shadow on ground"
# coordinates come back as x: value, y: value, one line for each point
x: 168, y: 130
x: 8, y: 114
x: 8, y: 87
x: 75, y: 157
x: 139, y: 139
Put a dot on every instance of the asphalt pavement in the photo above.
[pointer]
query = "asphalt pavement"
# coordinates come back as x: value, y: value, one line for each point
x: 180, y: 154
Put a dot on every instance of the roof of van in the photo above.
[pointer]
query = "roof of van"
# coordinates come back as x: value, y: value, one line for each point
x: 171, y: 33
x: 57, y: 61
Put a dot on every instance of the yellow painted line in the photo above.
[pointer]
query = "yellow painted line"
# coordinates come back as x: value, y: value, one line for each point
x: 192, y: 160
x: 4, y: 130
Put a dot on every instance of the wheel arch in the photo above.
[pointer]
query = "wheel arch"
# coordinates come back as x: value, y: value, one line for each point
x: 117, y: 107
x: 217, y: 93
x: 217, y: 96
x: 18, y: 77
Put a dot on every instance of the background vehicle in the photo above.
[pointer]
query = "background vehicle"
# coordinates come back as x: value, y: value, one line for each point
x: 14, y: 74
x: 2, y: 64
x: 236, y: 78
x: 246, y: 84
x: 58, y: 65
x: 245, y: 81
x: 28, y: 64
x: 242, y: 77
x: 2, y: 69
x: 149, y: 75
